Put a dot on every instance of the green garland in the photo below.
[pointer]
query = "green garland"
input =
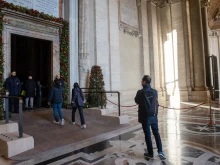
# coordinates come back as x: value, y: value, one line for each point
x: 64, y: 45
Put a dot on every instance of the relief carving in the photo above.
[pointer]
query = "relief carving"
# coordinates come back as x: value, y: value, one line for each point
x: 30, y: 26
x: 204, y: 3
x: 163, y: 3
x: 217, y: 15
x: 128, y: 30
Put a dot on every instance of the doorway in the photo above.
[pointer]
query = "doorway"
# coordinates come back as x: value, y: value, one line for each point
x: 32, y: 57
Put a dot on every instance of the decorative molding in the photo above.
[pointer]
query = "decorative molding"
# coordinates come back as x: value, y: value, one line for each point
x: 163, y: 3
x: 129, y: 25
x: 19, y: 15
x: 217, y: 15
x: 205, y: 3
x: 129, y: 30
x: 214, y: 33
x: 30, y: 26
x: 159, y: 3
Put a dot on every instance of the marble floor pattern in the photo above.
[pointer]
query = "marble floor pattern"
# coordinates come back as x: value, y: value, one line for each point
x: 186, y: 138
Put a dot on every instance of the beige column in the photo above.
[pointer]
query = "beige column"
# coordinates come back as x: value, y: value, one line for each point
x: 204, y: 5
x: 84, y: 58
x: 197, y: 45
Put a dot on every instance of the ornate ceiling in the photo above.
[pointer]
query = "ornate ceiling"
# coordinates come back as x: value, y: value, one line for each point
x: 214, y: 14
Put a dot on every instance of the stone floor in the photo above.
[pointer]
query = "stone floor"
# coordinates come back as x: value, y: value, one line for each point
x: 186, y: 137
x: 48, y: 135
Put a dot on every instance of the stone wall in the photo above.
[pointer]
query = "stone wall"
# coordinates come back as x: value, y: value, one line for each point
x: 162, y: 45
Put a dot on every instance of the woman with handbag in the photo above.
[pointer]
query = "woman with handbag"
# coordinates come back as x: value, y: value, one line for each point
x: 78, y: 102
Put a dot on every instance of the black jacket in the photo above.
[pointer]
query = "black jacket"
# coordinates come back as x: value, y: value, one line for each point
x: 56, y: 95
x: 77, y: 97
x: 30, y: 87
x: 13, y: 86
x: 61, y: 82
x: 143, y: 109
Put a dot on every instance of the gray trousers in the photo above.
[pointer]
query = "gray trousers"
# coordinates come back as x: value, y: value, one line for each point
x: 31, y: 102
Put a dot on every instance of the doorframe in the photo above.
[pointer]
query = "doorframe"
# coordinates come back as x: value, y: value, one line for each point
x: 27, y: 26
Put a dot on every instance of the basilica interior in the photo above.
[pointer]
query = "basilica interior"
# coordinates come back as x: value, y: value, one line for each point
x: 175, y: 42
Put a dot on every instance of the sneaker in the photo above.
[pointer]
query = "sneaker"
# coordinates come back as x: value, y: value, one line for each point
x: 148, y: 155
x: 83, y: 126
x: 73, y: 123
x: 56, y: 122
x: 161, y: 155
x: 63, y: 122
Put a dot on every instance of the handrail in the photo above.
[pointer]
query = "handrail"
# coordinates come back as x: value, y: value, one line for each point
x: 20, y: 122
x: 101, y: 92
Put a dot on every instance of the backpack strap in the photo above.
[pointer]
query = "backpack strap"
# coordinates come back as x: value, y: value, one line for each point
x: 147, y: 99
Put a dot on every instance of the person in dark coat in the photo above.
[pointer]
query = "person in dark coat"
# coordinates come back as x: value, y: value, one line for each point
x: 30, y: 87
x: 56, y: 96
x: 13, y: 85
x: 60, y: 81
x: 78, y: 102
x: 39, y: 94
x: 147, y: 120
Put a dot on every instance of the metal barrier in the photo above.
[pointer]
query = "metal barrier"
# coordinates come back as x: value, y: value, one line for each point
x: 20, y: 122
x: 101, y: 92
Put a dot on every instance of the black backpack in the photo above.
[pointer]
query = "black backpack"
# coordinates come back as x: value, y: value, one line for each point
x: 151, y: 103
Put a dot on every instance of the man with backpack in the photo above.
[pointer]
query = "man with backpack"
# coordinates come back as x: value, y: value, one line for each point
x: 147, y: 116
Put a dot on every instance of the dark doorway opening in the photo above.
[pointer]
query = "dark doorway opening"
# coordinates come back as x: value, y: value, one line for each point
x: 32, y: 56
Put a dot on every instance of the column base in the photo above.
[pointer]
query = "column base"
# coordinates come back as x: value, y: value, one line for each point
x: 198, y: 96
x: 186, y: 95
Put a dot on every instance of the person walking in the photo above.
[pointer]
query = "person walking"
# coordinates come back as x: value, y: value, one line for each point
x: 39, y: 94
x: 78, y: 102
x: 147, y: 116
x: 56, y: 99
x: 13, y: 85
x: 30, y: 88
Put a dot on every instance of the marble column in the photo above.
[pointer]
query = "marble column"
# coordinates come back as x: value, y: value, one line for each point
x: 197, y: 45
x: 84, y: 59
x: 73, y: 42
x: 204, y: 4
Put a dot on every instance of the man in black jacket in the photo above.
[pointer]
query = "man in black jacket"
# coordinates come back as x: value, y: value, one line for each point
x: 30, y: 87
x: 13, y: 85
x: 56, y: 98
x: 60, y: 81
x: 146, y: 119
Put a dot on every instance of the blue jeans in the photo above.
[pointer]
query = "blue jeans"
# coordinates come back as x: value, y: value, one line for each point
x: 57, y: 107
x: 146, y: 128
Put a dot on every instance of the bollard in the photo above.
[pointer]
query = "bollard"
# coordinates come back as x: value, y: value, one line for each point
x: 20, y: 124
x: 211, y: 122
x: 101, y: 101
x: 6, y: 107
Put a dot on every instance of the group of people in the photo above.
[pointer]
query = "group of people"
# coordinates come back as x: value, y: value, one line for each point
x: 145, y: 98
x: 29, y: 90
x: 55, y: 99
x: 56, y: 96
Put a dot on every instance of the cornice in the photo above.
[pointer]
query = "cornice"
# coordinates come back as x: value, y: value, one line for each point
x: 163, y: 3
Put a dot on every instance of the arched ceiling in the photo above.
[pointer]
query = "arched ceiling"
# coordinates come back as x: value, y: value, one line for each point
x: 214, y: 14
